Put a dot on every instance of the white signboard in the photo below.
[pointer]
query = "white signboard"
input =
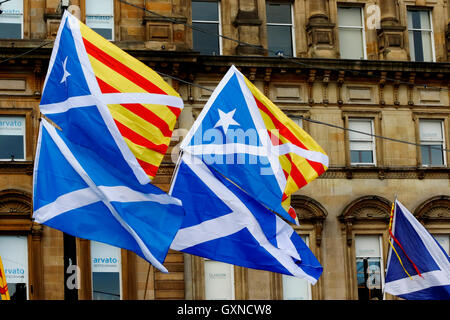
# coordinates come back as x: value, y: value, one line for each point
x: 219, y: 280
x: 367, y: 246
x: 104, y: 258
x: 12, y: 126
x: 14, y: 253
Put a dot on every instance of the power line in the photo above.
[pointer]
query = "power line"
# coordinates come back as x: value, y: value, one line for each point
x: 321, y: 122
x: 208, y: 89
x: 282, y: 56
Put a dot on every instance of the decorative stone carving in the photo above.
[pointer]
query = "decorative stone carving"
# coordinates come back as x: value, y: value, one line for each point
x: 436, y: 208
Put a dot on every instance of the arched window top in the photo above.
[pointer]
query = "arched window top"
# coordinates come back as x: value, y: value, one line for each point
x: 435, y: 208
x: 15, y: 203
x: 308, y: 208
x: 367, y: 208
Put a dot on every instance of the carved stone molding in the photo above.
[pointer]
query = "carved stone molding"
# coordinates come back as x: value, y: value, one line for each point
x: 309, y: 210
x: 436, y: 208
x: 15, y: 203
x: 365, y: 209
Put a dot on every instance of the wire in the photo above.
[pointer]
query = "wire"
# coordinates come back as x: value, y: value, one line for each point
x: 282, y: 56
x: 324, y: 123
x: 27, y: 52
x: 210, y: 90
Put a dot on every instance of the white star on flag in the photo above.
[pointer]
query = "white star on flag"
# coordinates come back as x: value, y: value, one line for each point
x: 66, y: 73
x: 226, y: 120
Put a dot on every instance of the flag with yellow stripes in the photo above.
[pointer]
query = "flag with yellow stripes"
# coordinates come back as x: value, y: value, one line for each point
x: 144, y: 108
x: 112, y: 121
x: 249, y: 140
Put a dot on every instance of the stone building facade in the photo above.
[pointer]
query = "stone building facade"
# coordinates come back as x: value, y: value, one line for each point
x: 380, y: 66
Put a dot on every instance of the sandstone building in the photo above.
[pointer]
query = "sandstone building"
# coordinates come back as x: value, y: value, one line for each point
x: 378, y: 66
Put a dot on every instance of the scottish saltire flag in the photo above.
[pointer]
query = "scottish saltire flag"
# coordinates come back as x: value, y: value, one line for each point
x: 244, y: 136
x: 224, y: 223
x: 114, y: 117
x: 418, y: 268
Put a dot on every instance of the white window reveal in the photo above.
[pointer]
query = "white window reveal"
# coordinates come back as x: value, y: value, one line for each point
x: 432, y: 142
x: 106, y: 271
x: 14, y: 254
x: 296, y: 288
x: 12, y: 138
x: 421, y: 42
x: 219, y: 280
x: 352, y: 38
x: 11, y: 20
x: 369, y: 267
x: 100, y: 17
x: 362, y: 146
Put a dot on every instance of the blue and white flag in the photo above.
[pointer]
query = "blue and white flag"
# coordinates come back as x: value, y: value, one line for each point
x: 224, y: 223
x: 418, y: 268
x: 87, y: 182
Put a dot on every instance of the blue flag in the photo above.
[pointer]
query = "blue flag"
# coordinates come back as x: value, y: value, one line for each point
x: 87, y: 182
x: 418, y: 268
x: 225, y: 224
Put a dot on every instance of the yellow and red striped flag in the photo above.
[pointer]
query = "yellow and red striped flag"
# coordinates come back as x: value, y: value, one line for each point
x: 304, y: 161
x: 4, y: 293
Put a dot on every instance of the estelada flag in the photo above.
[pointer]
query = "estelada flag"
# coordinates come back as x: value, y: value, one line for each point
x: 143, y: 106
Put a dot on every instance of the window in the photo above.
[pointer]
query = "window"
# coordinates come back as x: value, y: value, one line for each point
x: 297, y: 120
x: 100, y: 17
x: 12, y: 138
x: 362, y: 146
x: 11, y: 20
x: 432, y: 142
x: 280, y: 28
x: 296, y: 288
x: 421, y: 44
x: 206, y: 23
x: 106, y: 272
x: 369, y: 266
x: 14, y: 254
x: 219, y: 280
x: 352, y: 40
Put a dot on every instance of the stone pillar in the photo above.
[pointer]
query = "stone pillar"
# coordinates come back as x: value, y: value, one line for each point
x: 248, y: 24
x: 390, y: 36
x: 320, y: 32
x: 447, y: 33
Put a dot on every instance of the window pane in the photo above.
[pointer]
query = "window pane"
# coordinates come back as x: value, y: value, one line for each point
x: 351, y: 43
x: 105, y: 265
x: 430, y: 130
x: 278, y: 13
x: 437, y: 158
x: 444, y: 241
x: 295, y: 288
x: 12, y: 138
x: 348, y: 16
x: 219, y: 280
x: 100, y: 17
x: 368, y: 267
x: 10, y: 30
x: 99, y: 7
x: 205, y: 11
x: 362, y: 126
x: 14, y: 254
x: 280, y: 39
x: 206, y: 43
x: 361, y: 156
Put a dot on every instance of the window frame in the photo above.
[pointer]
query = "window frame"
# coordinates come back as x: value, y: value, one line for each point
x: 121, y: 280
x: 362, y: 28
x: 291, y: 25
x: 24, y: 136
x: 369, y: 139
x: 430, y: 16
x: 218, y: 22
x: 381, y: 256
x: 113, y: 29
x: 431, y: 142
x: 22, y: 21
